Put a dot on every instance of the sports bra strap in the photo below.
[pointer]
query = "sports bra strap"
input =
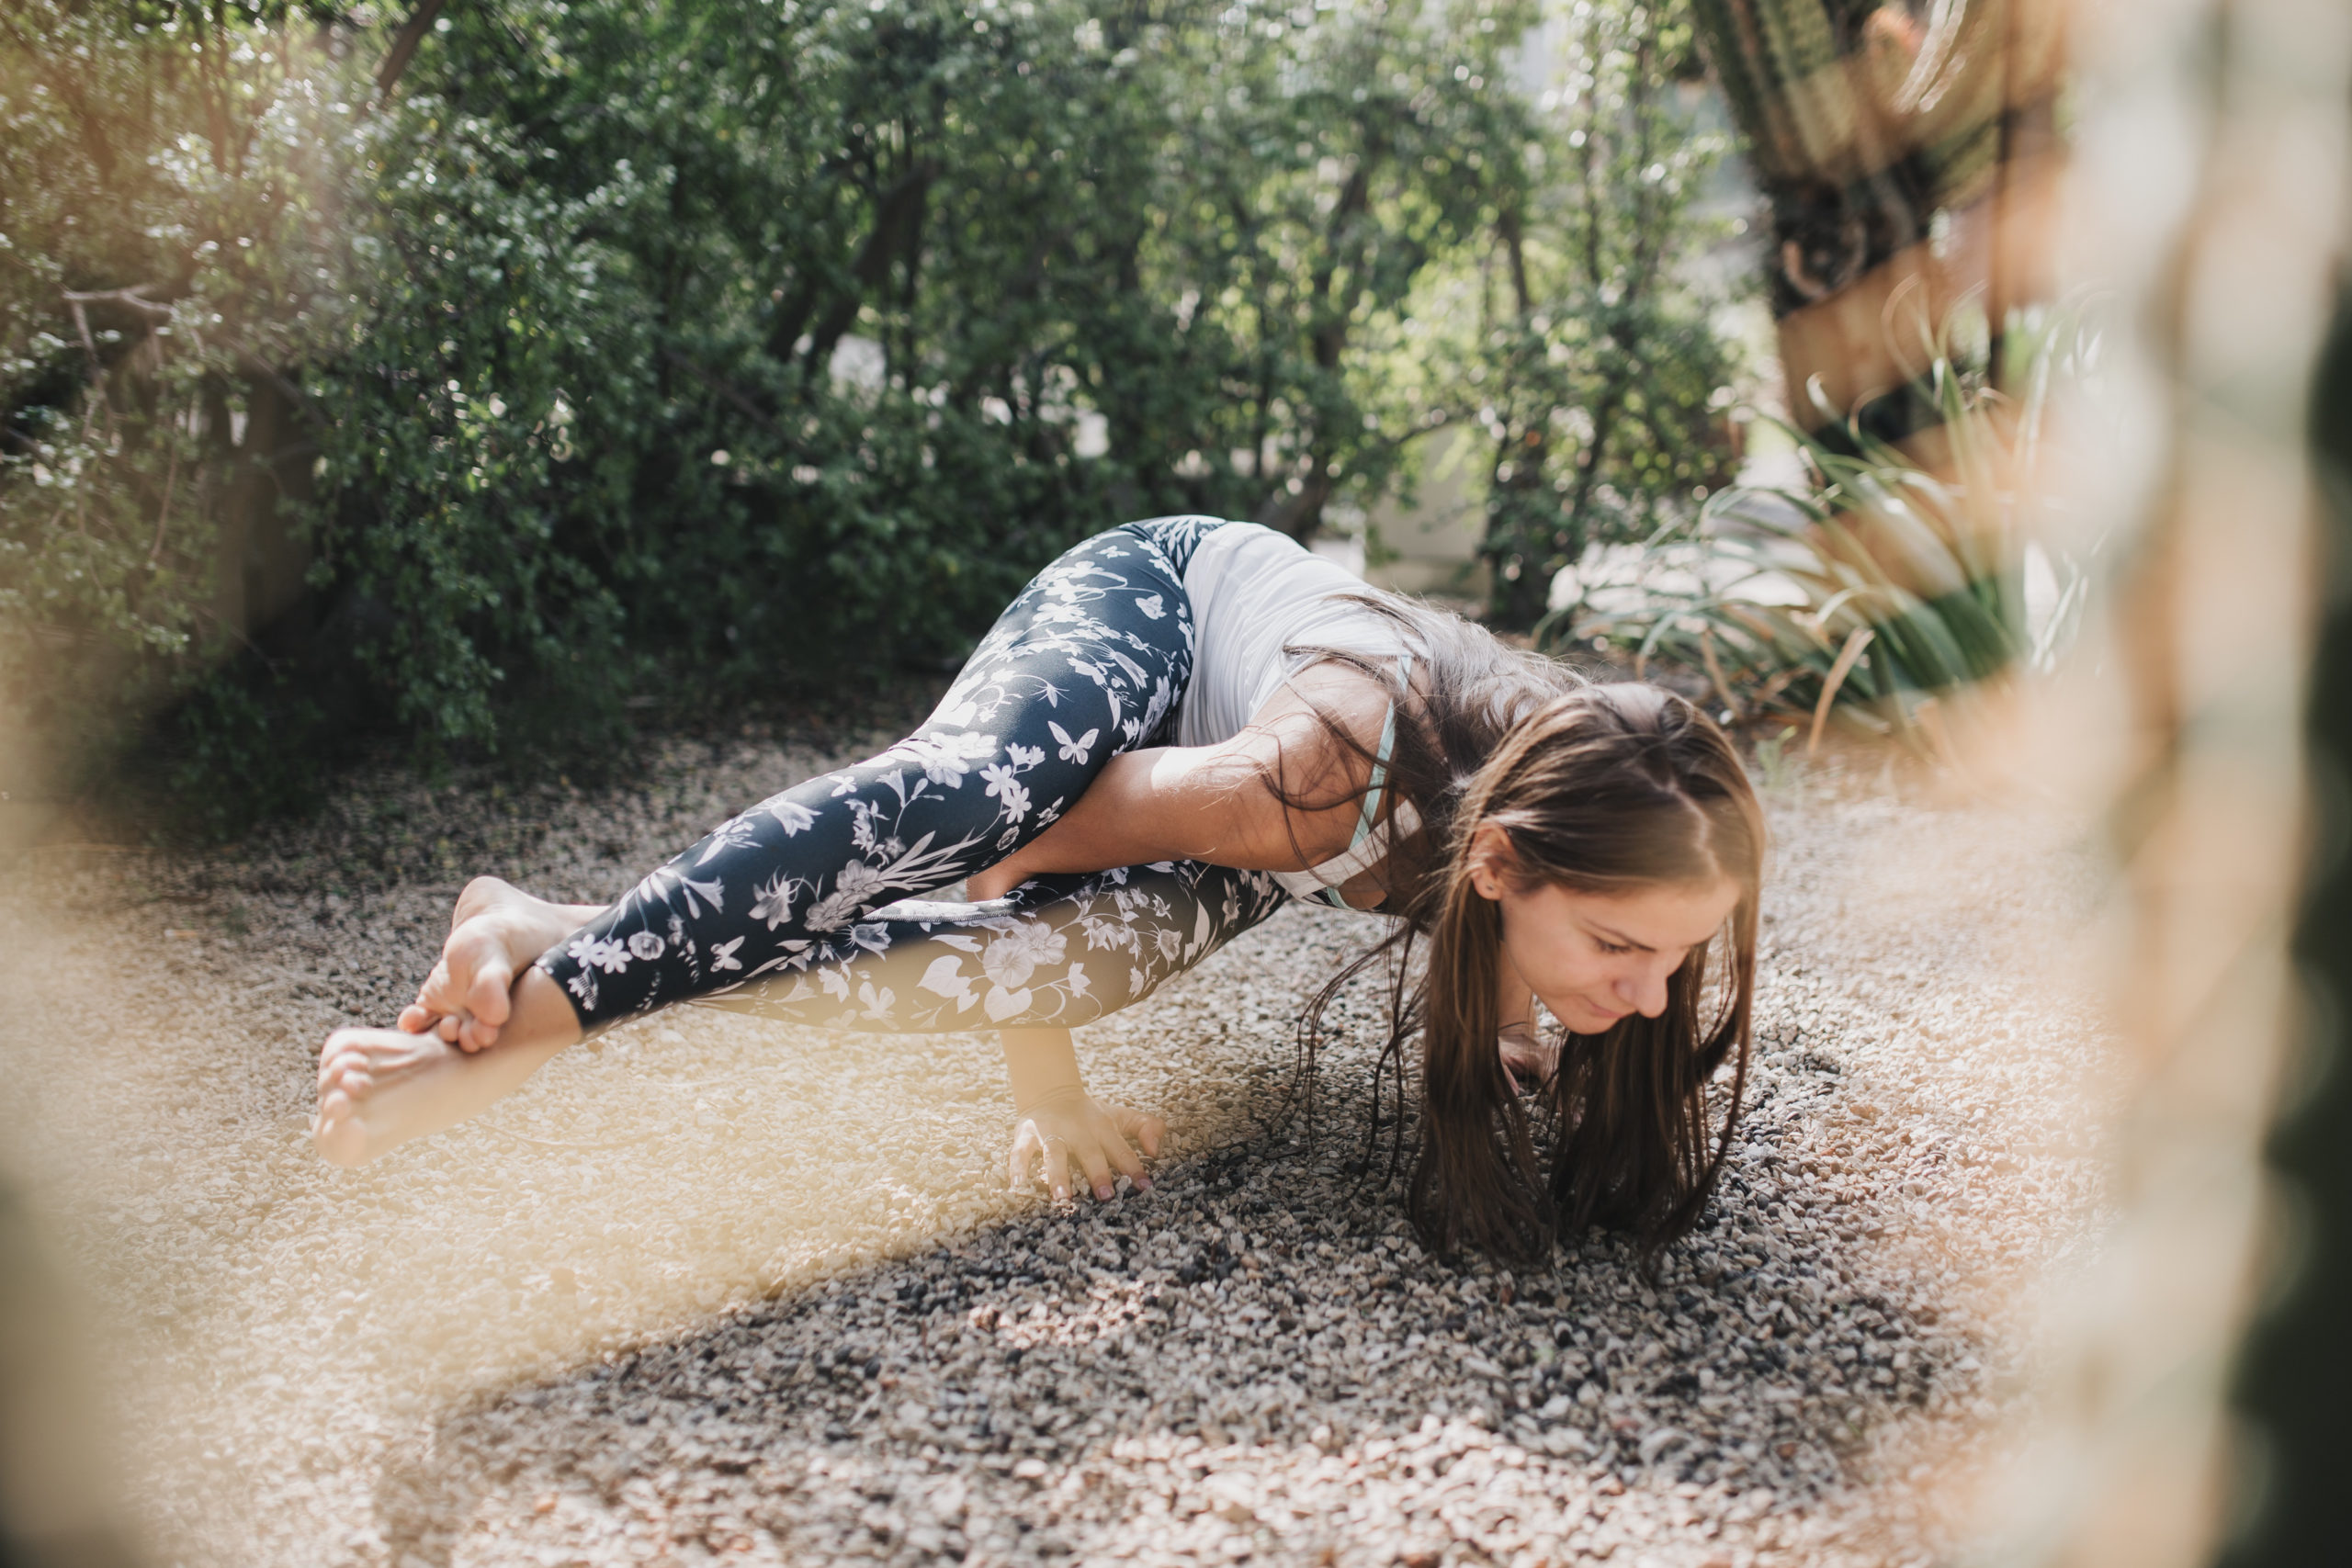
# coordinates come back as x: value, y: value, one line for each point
x: 1370, y: 844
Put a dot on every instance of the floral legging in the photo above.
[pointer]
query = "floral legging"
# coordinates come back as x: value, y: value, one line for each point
x: 807, y: 905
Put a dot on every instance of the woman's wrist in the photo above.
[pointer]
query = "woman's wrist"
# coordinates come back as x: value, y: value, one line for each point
x: 1040, y: 1064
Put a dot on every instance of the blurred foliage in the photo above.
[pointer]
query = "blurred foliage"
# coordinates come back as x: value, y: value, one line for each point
x: 635, y: 352
x: 1607, y: 384
x: 1892, y: 579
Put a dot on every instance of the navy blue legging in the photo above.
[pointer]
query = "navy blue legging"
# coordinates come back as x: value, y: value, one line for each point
x: 807, y: 905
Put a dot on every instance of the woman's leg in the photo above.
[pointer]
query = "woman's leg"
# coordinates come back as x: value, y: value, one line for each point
x: 1058, y: 952
x: 1087, y: 662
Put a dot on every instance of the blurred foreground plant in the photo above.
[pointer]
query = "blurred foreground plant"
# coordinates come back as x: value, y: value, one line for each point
x: 1887, y: 584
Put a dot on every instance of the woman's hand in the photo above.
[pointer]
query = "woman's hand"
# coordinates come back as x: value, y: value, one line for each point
x: 1070, y: 1127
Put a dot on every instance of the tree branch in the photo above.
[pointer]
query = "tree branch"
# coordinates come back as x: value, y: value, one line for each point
x: 404, y: 48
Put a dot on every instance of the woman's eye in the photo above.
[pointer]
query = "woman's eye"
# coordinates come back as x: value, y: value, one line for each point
x: 1613, y: 949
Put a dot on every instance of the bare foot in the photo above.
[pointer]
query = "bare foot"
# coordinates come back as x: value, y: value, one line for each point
x: 379, y: 1088
x: 496, y: 931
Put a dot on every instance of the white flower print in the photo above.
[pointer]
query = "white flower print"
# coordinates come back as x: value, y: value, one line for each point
x: 774, y: 903
x: 939, y: 765
x: 944, y: 757
x: 1074, y: 751
x: 1005, y: 787
x: 853, y: 890
x: 830, y: 913
x: 734, y: 833
x: 790, y: 816
x: 859, y: 879
x: 1152, y: 606
x: 1025, y: 757
x: 713, y: 891
x: 1012, y: 958
x: 722, y: 955
x: 947, y: 977
x: 602, y: 952
x: 1077, y: 979
x: 646, y: 946
x: 1169, y: 942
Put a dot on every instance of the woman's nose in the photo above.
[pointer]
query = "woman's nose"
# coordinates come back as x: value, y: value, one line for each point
x: 1644, y: 989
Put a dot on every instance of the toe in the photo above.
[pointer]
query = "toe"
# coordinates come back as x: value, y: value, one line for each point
x: 486, y: 998
x: 338, y: 1046
x: 337, y: 1135
x: 439, y: 994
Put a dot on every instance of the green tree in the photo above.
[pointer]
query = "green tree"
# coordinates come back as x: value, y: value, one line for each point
x: 664, y: 346
x: 1604, y: 376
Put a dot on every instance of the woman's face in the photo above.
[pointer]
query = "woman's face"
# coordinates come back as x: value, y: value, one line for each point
x: 1595, y: 957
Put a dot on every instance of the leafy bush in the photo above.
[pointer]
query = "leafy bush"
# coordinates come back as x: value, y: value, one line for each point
x: 654, y: 349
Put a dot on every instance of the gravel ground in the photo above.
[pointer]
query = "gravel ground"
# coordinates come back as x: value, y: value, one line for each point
x: 720, y: 1289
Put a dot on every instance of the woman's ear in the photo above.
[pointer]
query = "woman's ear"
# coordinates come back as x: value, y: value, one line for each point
x: 1490, y: 860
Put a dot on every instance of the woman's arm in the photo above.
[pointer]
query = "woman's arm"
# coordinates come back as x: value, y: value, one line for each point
x: 1211, y: 803
x: 1062, y: 1132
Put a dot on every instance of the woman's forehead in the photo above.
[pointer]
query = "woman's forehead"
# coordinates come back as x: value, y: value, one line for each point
x: 1663, y: 916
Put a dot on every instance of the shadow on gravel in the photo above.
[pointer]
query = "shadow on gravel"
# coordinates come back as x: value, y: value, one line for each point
x: 1254, y: 1360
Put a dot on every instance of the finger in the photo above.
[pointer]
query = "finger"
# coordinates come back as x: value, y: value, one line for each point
x: 1017, y: 1161
x: 1057, y: 1170
x: 1098, y: 1170
x: 417, y: 1018
x: 1142, y: 1126
x: 478, y: 1035
x: 1123, y: 1158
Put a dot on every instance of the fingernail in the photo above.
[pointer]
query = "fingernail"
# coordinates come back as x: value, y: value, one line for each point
x: 1103, y: 1193
x: 1143, y: 1183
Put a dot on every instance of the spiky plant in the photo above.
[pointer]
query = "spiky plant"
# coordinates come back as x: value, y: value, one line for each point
x: 1880, y: 586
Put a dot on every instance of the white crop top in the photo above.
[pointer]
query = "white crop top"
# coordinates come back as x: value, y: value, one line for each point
x: 1253, y: 590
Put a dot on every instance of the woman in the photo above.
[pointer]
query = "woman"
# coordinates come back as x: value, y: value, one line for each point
x: 1178, y: 726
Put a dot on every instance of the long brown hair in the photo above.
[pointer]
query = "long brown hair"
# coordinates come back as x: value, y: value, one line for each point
x: 1602, y: 788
